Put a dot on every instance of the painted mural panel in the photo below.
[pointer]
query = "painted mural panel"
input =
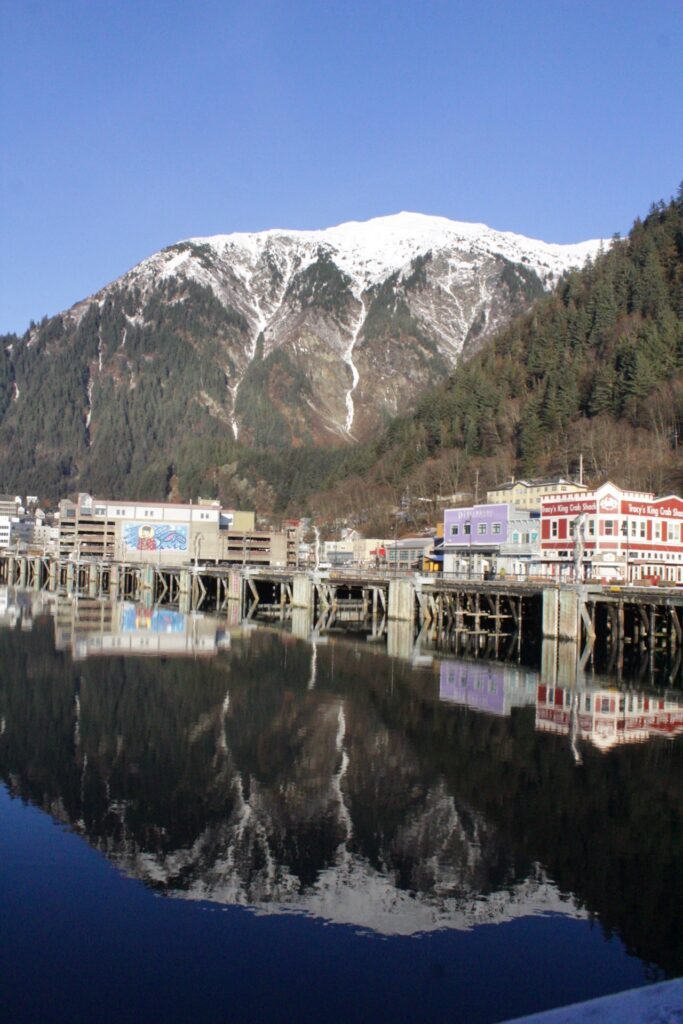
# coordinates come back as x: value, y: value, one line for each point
x: 135, y: 619
x: 155, y: 537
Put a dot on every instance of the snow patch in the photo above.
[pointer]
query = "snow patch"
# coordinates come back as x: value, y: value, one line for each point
x: 348, y: 359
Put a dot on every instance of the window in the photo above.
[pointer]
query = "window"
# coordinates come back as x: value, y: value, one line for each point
x: 624, y: 527
x: 515, y: 537
x: 643, y: 529
x: 658, y: 531
x: 467, y: 529
x: 609, y: 527
x: 633, y: 527
x: 495, y: 529
x: 553, y: 528
x: 454, y: 530
x: 481, y: 529
x: 591, y: 527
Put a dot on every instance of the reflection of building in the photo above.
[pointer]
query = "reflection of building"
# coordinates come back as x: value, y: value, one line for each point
x: 90, y: 627
x: 487, y: 686
x: 169, y: 533
x: 23, y: 606
x: 607, y: 717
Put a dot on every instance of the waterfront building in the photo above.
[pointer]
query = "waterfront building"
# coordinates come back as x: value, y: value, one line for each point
x: 613, y: 534
x: 408, y: 553
x: 169, y: 533
x: 486, y: 538
x: 527, y: 494
x: 338, y: 553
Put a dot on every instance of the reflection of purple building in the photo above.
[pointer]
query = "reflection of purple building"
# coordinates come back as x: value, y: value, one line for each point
x: 490, y: 686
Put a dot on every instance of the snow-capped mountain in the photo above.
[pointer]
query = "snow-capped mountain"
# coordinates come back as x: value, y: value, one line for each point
x: 277, y: 339
x: 370, y: 312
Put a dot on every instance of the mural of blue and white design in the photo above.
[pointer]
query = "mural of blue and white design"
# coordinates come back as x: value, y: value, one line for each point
x: 155, y: 537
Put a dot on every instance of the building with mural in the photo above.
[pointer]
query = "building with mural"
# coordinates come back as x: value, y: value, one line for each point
x: 613, y: 534
x: 169, y: 533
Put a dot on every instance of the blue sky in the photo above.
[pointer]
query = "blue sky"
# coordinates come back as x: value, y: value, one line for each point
x: 126, y: 126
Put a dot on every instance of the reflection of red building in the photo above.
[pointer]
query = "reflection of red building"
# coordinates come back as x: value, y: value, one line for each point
x: 607, y: 717
x: 625, y: 535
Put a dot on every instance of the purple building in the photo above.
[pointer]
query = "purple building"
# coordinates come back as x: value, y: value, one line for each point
x: 477, y: 526
x: 484, y: 537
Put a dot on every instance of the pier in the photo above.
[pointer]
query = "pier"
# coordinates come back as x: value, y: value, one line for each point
x: 455, y: 612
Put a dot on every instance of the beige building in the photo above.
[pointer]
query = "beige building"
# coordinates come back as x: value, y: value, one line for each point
x: 527, y: 494
x: 168, y: 533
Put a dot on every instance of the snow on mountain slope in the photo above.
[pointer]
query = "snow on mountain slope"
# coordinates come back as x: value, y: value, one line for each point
x: 322, y: 335
x: 369, y: 251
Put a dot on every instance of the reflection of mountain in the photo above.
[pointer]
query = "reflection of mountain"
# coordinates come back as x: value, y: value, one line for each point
x: 364, y: 800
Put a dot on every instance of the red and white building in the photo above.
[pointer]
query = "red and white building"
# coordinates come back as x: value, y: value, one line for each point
x: 619, y: 535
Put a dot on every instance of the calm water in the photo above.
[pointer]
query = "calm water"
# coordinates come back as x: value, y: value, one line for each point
x: 210, y: 825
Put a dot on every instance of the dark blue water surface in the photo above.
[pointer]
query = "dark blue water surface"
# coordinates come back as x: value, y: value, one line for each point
x: 281, y: 833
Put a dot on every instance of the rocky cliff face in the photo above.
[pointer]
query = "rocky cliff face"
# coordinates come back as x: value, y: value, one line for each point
x: 274, y: 339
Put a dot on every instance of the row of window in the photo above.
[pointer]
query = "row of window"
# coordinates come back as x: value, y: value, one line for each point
x: 628, y: 528
x: 482, y: 529
x: 606, y: 704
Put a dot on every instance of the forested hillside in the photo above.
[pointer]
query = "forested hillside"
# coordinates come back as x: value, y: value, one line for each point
x: 595, y: 369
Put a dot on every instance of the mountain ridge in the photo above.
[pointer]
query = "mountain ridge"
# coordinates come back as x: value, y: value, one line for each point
x: 275, y: 340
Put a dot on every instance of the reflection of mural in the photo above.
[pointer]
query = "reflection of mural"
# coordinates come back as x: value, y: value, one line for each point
x: 153, y: 620
x: 149, y: 537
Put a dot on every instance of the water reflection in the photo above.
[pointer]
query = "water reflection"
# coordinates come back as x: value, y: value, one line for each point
x: 333, y: 780
x: 590, y: 709
x: 89, y: 626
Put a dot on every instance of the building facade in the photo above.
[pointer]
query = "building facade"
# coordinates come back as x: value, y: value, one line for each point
x: 485, y: 538
x: 613, y: 534
x: 169, y: 534
x: 527, y: 494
